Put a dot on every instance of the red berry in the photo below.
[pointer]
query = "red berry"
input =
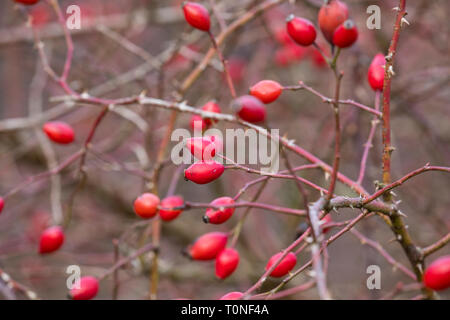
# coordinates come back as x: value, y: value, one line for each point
x: 51, y: 239
x: 208, y: 246
x: 218, y: 142
x: 2, y: 204
x: 331, y: 15
x: 167, y: 213
x: 226, y: 262
x: 235, y: 295
x: 301, y: 30
x: 204, y: 171
x: 219, y: 216
x: 196, y: 15
x: 59, y: 132
x: 326, y: 220
x: 198, y: 123
x: 345, y: 35
x: 146, y: 205
x: 284, y: 266
x: 437, y: 275
x: 211, y: 106
x: 375, y: 75
x: 27, y: 2
x: 249, y: 109
x: 201, y: 147
x: 88, y: 289
x: 266, y: 90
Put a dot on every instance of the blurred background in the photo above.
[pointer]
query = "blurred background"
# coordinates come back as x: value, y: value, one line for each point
x: 103, y: 209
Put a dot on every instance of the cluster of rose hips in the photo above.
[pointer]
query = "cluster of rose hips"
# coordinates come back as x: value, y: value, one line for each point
x: 339, y: 31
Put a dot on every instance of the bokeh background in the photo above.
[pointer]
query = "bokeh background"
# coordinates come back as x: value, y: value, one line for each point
x: 103, y: 209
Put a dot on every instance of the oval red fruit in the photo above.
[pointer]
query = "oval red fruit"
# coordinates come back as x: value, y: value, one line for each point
x: 301, y: 30
x: 437, y: 275
x: 208, y: 246
x: 345, y: 35
x: 331, y: 15
x: 211, y: 106
x: 59, y: 132
x: 51, y: 239
x: 375, y: 75
x: 146, y: 205
x: 218, y: 216
x: 201, y: 147
x: 204, y: 171
x: 249, y: 108
x: 88, y: 289
x: 196, y: 15
x: 286, y: 265
x: 235, y: 295
x: 166, y: 211
x: 27, y: 2
x: 198, y: 123
x: 266, y: 90
x: 226, y: 262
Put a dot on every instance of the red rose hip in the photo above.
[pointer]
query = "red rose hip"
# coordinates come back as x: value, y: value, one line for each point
x: 27, y: 2
x: 88, y: 289
x: 235, y: 295
x: 266, y: 90
x: 51, y: 239
x: 226, y: 262
x: 167, y: 205
x: 218, y: 216
x: 437, y: 275
x: 331, y: 15
x: 211, y: 106
x: 208, y: 246
x: 204, y: 171
x: 146, y: 205
x: 59, y: 132
x: 201, y: 147
x: 286, y: 265
x: 375, y: 75
x: 196, y: 15
x: 249, y: 108
x: 345, y: 35
x: 302, y: 31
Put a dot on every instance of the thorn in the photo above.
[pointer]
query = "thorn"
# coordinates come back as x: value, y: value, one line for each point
x: 404, y: 21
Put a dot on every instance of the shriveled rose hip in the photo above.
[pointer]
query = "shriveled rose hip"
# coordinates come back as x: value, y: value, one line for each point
x: 226, y: 262
x: 375, y: 75
x: 88, y: 289
x: 345, y: 35
x: 437, y: 275
x: 249, y: 108
x: 59, y: 132
x: 146, y: 205
x: 51, y: 239
x: 235, y: 295
x: 301, y: 30
x: 266, y: 90
x: 204, y: 171
x: 208, y: 246
x: 196, y: 15
x: 331, y: 15
x: 166, y: 212
x: 286, y: 265
x: 201, y: 147
x: 218, y: 216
